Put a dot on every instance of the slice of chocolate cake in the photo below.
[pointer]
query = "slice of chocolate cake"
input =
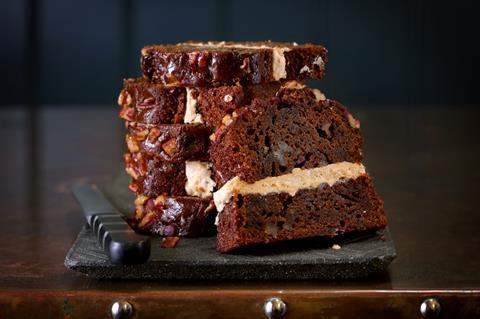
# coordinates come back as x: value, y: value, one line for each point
x: 174, y: 216
x: 148, y: 103
x: 324, y: 201
x: 193, y: 64
x: 171, y: 178
x: 273, y: 136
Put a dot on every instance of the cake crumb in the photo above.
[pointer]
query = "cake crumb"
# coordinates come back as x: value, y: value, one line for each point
x: 336, y: 247
x: 354, y: 123
x: 319, y: 96
x: 228, y: 98
x: 170, y: 242
x: 304, y: 69
x: 293, y: 85
x: 319, y: 62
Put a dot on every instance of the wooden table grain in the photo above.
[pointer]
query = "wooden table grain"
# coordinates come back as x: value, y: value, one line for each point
x: 426, y: 165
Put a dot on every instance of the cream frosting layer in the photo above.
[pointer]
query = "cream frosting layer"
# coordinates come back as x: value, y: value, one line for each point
x: 289, y: 183
x: 199, y: 182
x: 191, y: 115
x: 279, y: 64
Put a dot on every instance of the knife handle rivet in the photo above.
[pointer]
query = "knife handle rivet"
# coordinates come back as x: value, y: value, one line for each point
x: 275, y: 308
x: 430, y: 308
x: 122, y: 309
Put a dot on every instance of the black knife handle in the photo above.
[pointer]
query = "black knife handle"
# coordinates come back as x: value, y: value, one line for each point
x: 122, y: 243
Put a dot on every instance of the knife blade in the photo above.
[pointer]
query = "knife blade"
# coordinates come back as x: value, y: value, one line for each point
x: 122, y: 244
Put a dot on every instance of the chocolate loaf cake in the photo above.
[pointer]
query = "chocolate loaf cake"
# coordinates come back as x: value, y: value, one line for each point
x: 172, y: 143
x: 230, y: 127
x: 193, y: 64
x: 325, y: 201
x: 272, y: 137
x: 174, y: 216
x: 148, y: 103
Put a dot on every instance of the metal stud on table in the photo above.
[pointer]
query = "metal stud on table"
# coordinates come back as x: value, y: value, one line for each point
x: 430, y: 308
x: 275, y: 308
x: 122, y: 310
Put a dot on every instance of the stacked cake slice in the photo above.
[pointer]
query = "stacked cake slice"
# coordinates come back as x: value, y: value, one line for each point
x: 229, y: 128
x: 160, y: 148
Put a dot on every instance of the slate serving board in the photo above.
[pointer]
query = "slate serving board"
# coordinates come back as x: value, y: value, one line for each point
x: 360, y: 255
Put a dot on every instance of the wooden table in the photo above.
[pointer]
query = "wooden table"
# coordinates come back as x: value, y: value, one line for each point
x: 425, y: 161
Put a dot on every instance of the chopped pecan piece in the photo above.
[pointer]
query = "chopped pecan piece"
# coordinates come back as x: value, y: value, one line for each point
x: 170, y: 146
x: 154, y: 134
x: 132, y: 172
x: 140, y: 200
x: 133, y: 187
x: 160, y: 200
x: 132, y: 144
x: 147, y: 219
x: 139, y: 131
x: 124, y: 98
x: 126, y: 113
x: 146, y: 103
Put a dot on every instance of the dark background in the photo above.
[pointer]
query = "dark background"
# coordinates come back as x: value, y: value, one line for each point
x: 380, y: 52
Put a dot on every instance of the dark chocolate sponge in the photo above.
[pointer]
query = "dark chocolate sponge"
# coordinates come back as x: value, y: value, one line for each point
x: 215, y: 103
x: 224, y: 63
x: 153, y: 176
x: 143, y: 102
x: 174, y: 216
x: 352, y: 205
x: 273, y: 136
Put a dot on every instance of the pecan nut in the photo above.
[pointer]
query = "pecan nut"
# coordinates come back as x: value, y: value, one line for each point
x: 127, y: 113
x: 154, y: 134
x: 170, y: 146
x: 132, y: 144
x: 124, y: 98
